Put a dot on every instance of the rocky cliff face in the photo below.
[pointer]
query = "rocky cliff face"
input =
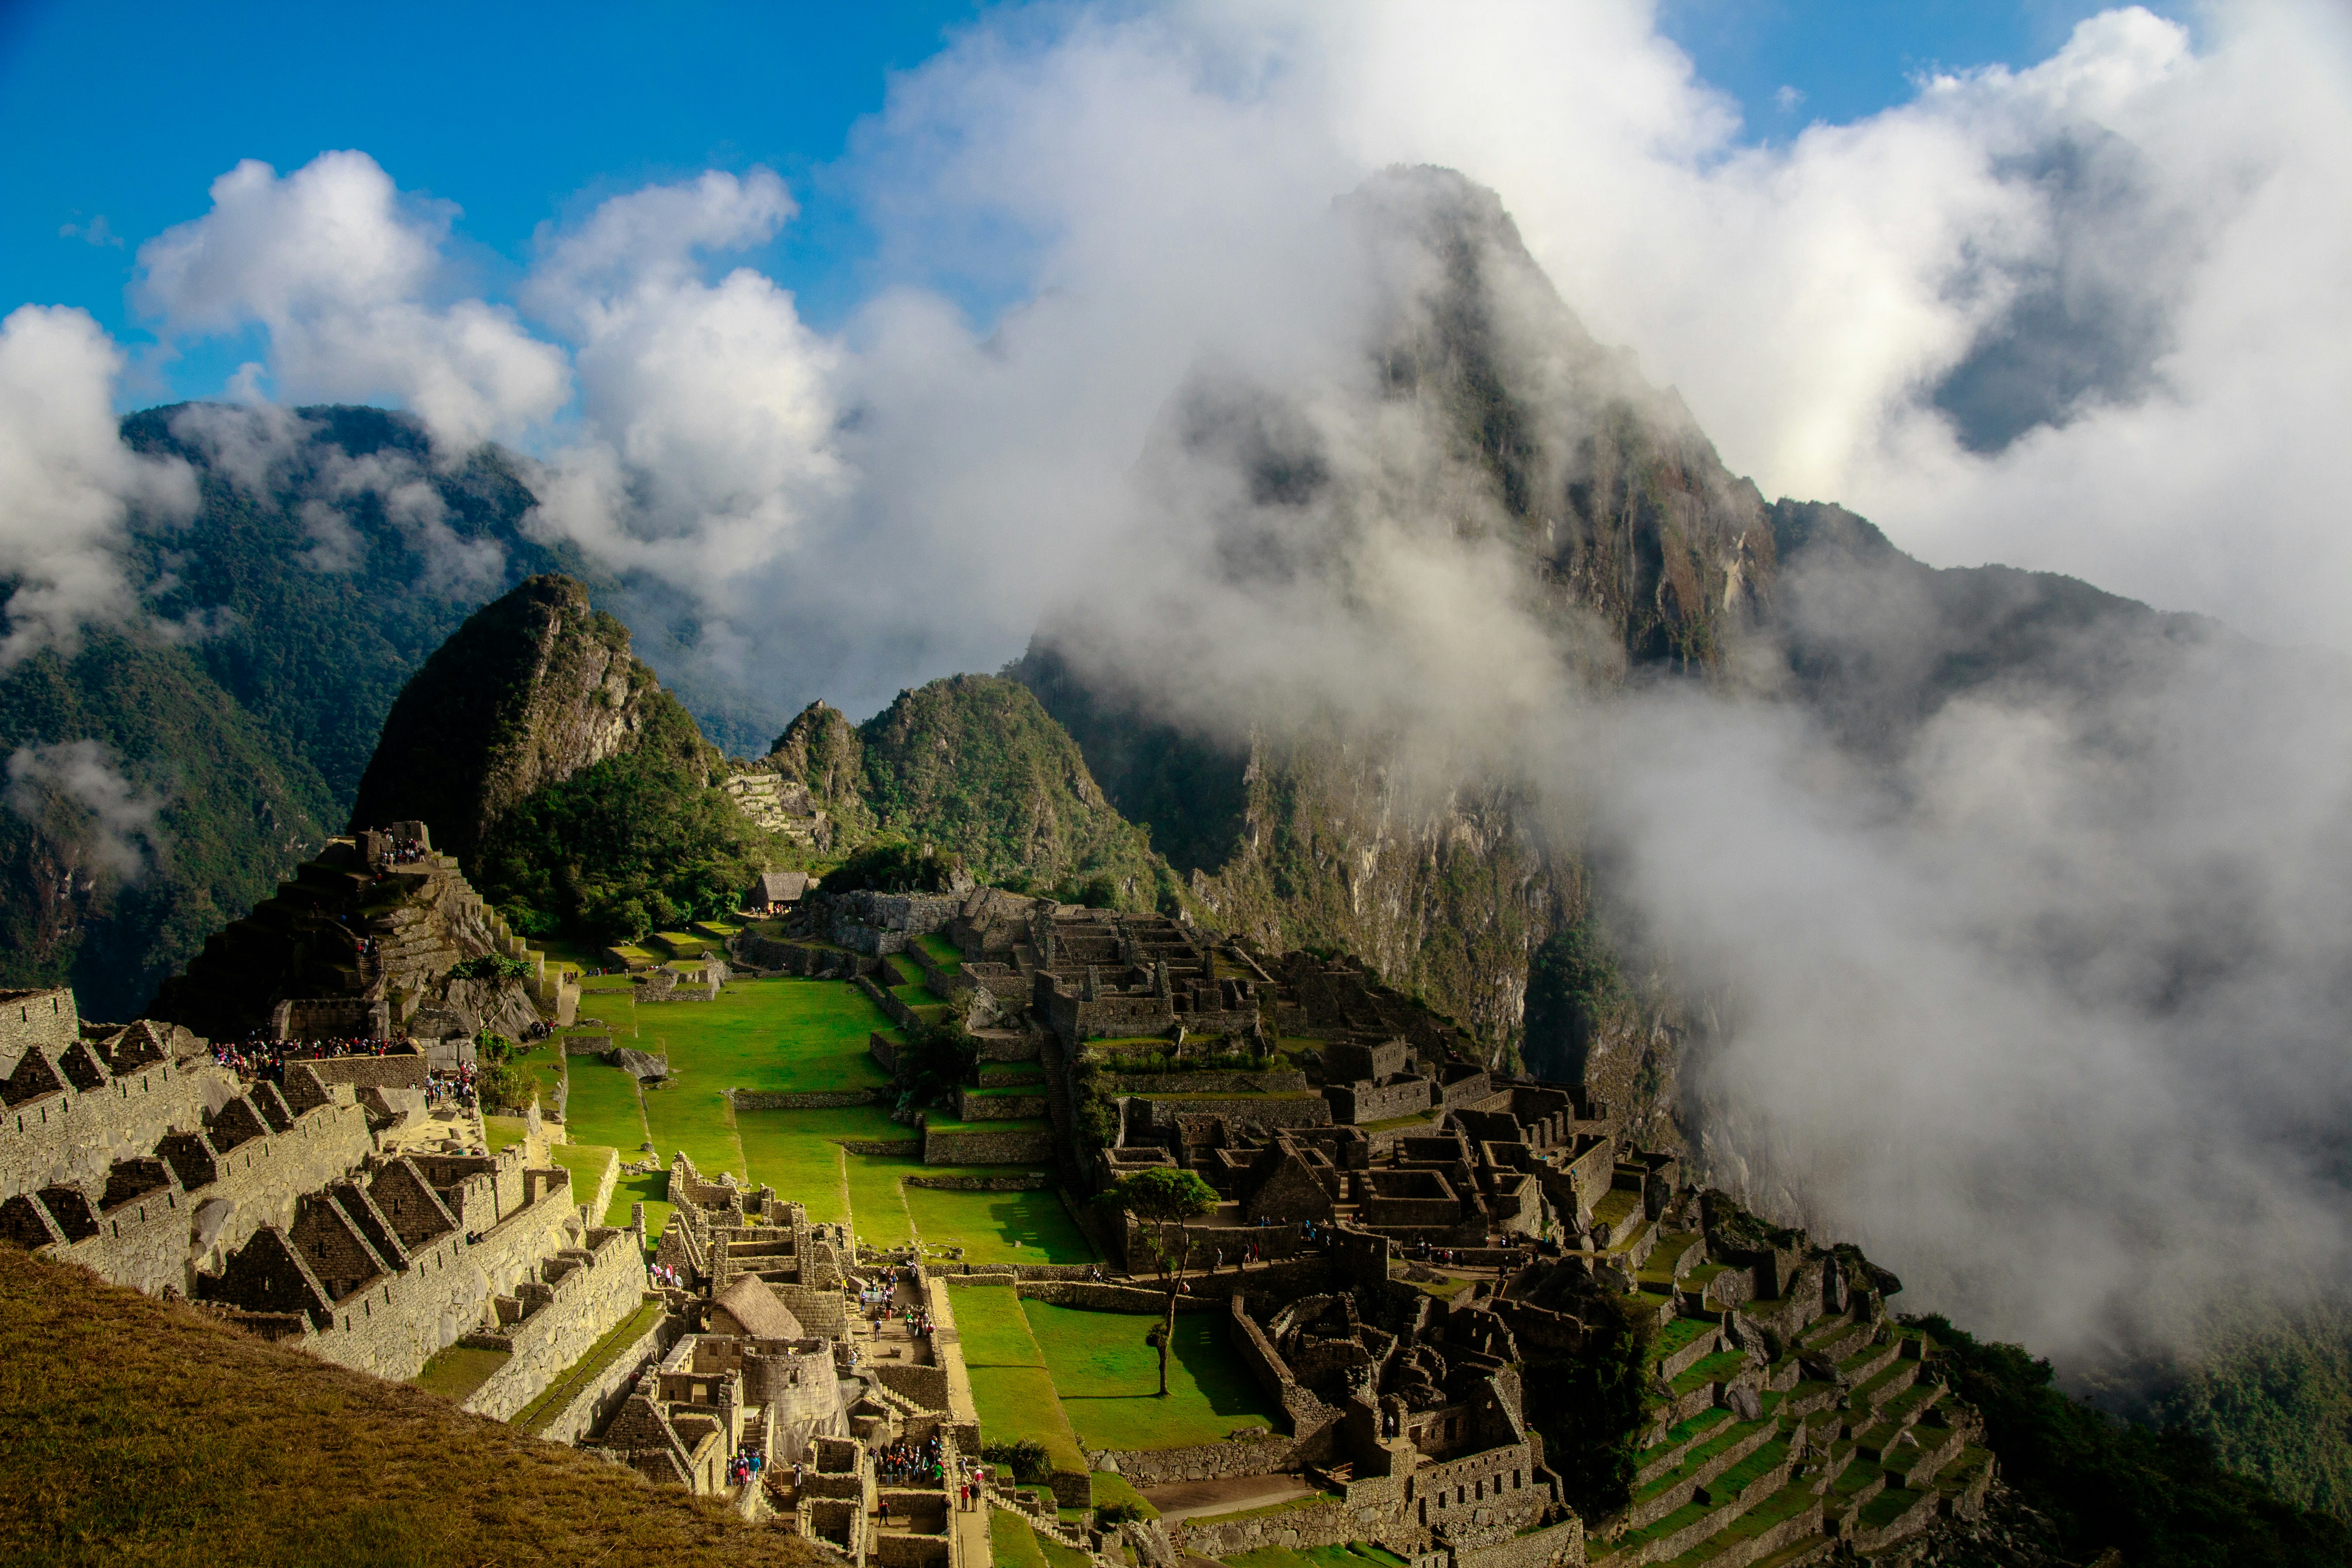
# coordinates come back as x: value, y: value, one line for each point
x: 1641, y: 550
x: 533, y: 689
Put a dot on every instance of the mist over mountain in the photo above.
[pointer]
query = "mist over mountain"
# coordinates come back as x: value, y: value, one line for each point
x: 1977, y: 914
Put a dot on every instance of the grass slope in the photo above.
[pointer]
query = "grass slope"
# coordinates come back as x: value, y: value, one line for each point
x: 143, y: 1434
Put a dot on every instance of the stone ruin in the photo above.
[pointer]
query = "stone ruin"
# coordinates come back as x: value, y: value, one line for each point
x: 362, y: 941
x: 294, y: 1205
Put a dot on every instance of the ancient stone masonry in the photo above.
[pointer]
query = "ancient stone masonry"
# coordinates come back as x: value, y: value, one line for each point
x: 362, y: 941
x: 279, y: 1203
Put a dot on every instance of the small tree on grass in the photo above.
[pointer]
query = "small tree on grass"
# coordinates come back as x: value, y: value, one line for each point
x: 1165, y: 1201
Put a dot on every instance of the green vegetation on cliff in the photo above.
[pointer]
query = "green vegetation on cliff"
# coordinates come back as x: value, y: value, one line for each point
x: 324, y: 563
x: 2158, y: 1496
x: 108, y: 892
x: 968, y: 772
x: 577, y: 793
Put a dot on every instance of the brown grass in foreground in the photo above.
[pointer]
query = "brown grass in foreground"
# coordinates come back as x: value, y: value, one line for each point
x: 134, y: 1432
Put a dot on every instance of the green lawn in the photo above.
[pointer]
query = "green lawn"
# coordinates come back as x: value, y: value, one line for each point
x: 986, y: 1225
x: 651, y: 1189
x: 1012, y: 1542
x: 701, y: 1124
x: 784, y: 1150
x: 1015, y: 1395
x: 944, y: 954
x: 586, y: 1164
x: 781, y: 1034
x: 603, y: 1107
x: 992, y: 1329
x: 898, y: 969
x: 502, y: 1130
x: 456, y: 1371
x: 878, y: 1211
x: 1107, y: 1377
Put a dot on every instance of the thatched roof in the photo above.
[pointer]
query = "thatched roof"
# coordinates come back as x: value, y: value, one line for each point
x: 757, y: 1310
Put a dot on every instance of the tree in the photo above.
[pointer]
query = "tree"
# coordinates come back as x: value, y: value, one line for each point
x: 1165, y: 1201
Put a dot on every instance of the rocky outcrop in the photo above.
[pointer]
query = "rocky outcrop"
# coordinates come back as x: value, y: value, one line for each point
x: 1622, y: 518
x: 350, y: 948
x: 533, y: 689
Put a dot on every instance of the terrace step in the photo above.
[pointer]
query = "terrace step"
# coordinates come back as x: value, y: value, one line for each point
x: 1660, y: 1458
x: 1722, y: 1450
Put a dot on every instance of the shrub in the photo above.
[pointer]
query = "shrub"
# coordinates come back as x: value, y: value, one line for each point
x: 489, y: 966
x: 1026, y: 1457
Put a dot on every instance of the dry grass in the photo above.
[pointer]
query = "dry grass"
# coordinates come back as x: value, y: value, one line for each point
x: 145, y: 1433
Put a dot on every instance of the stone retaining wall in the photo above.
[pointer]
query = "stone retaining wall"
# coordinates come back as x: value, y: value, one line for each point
x: 805, y: 960
x: 987, y: 1148
x: 608, y: 1286
x: 1203, y: 1082
x: 402, y: 1071
x: 1026, y: 1181
x: 1244, y: 1110
x: 1205, y: 1462
x: 973, y: 1107
x: 1560, y: 1545
x: 594, y: 1406
x: 774, y: 1100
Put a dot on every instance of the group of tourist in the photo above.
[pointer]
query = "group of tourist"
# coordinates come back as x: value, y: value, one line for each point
x: 256, y: 1054
x: 743, y: 1467
x: 904, y: 1463
x: 450, y: 1086
x: 402, y: 852
x: 665, y: 1275
x: 874, y: 1300
x: 1244, y: 1254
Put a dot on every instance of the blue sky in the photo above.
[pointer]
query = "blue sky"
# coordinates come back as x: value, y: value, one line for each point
x: 125, y: 113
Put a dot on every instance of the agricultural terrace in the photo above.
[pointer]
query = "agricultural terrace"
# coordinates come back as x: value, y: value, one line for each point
x: 1074, y: 1380
x: 784, y: 1036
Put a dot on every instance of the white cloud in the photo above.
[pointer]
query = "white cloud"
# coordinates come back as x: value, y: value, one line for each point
x: 67, y: 481
x: 707, y: 408
x: 73, y: 787
x: 344, y: 272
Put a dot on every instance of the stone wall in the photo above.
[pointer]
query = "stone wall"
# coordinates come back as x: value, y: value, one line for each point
x: 404, y: 1070
x: 807, y: 960
x: 971, y: 1106
x: 29, y: 1019
x: 1308, y: 1415
x: 52, y: 1130
x: 925, y: 1385
x: 1262, y: 1112
x: 1206, y: 1462
x: 1368, y: 1102
x: 1296, y: 1529
x: 208, y: 1200
x: 772, y: 1099
x: 1559, y: 1545
x: 987, y: 1148
x: 1023, y: 1182
x: 606, y: 1283
x: 1205, y: 1081
x: 589, y: 1409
